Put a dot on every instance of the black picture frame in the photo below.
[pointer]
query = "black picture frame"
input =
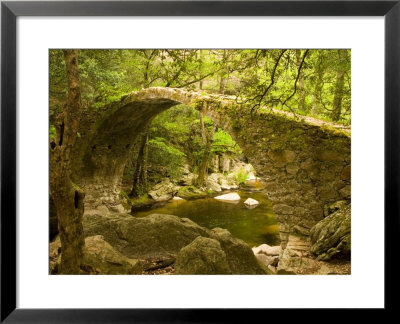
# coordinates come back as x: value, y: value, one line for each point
x: 10, y: 10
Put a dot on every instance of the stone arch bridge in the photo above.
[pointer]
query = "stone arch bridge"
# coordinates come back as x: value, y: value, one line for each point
x: 304, y: 163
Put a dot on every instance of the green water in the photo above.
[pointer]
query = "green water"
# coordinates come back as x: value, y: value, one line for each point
x: 254, y: 226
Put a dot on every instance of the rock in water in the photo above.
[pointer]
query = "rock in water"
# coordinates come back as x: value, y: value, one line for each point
x: 251, y: 202
x: 178, y: 198
x: 233, y: 196
x: 202, y: 256
x: 332, y: 235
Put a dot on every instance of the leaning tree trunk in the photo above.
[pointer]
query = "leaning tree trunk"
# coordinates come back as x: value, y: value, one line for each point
x: 140, y: 175
x: 337, y: 99
x: 302, y: 93
x: 67, y: 196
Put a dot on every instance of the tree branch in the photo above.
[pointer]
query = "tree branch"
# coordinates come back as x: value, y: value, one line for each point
x: 271, y: 83
x: 198, y: 79
x: 295, y: 82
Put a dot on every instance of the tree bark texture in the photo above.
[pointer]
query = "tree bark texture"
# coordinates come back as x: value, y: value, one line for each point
x: 67, y: 196
x: 139, y: 184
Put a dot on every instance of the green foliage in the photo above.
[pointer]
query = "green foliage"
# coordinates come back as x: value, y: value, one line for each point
x: 123, y: 195
x: 241, y: 176
x: 224, y: 143
x: 180, y: 126
x: 190, y: 192
x: 52, y: 131
x: 162, y: 153
x: 128, y: 174
x: 301, y: 81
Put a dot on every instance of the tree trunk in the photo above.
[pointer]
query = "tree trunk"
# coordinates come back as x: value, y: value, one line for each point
x: 222, y: 85
x: 302, y: 93
x: 207, y: 140
x: 139, y: 185
x: 224, y: 75
x: 67, y: 196
x: 201, y: 69
x: 337, y: 100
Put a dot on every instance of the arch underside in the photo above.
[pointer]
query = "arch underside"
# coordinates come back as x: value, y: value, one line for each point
x: 303, y: 166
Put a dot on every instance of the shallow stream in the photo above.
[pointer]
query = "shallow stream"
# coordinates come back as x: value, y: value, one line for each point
x: 255, y: 225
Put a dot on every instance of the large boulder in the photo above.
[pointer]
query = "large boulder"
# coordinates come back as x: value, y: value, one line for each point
x: 202, y: 256
x: 215, y: 177
x: 160, y: 236
x: 150, y: 237
x: 228, y: 184
x: 187, y: 179
x: 240, y: 256
x: 99, y: 257
x: 164, y: 190
x: 332, y: 236
x: 213, y: 185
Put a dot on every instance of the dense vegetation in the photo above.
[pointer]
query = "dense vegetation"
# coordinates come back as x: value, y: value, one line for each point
x: 310, y: 82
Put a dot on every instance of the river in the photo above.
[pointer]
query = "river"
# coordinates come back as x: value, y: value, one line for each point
x: 255, y: 225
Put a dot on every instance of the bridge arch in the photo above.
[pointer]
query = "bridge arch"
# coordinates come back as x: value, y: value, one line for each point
x: 304, y: 163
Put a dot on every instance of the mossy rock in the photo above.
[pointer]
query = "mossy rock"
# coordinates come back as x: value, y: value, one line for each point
x: 332, y: 236
x: 159, y: 236
x: 191, y: 192
x: 202, y: 256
